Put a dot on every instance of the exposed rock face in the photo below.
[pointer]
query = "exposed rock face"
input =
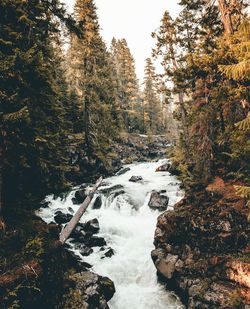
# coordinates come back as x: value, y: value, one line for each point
x: 135, y: 179
x: 158, y: 201
x: 202, y: 251
x: 89, y: 291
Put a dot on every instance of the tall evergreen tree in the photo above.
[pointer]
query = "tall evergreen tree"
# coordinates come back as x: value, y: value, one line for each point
x: 151, y: 99
x: 166, y: 47
x: 128, y: 88
x: 33, y: 158
x: 91, y: 76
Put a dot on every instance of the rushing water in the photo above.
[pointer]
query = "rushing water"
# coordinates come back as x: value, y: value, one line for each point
x: 128, y: 225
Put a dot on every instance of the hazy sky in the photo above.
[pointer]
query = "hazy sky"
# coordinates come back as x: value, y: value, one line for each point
x: 133, y: 20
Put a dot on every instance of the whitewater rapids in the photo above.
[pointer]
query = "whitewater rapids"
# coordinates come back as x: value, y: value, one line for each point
x: 128, y: 225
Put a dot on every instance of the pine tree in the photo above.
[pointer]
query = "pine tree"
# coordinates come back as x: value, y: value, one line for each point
x: 214, y: 101
x: 128, y: 88
x: 33, y: 156
x: 92, y: 79
x: 166, y: 48
x: 151, y: 99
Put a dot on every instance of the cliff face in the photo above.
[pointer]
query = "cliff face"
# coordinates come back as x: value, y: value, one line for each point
x: 202, y: 249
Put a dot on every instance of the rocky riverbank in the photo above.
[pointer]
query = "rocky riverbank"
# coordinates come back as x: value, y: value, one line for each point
x: 203, y: 250
x: 124, y: 150
x: 35, y: 271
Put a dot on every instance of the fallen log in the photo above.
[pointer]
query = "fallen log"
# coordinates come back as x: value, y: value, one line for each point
x: 73, y: 222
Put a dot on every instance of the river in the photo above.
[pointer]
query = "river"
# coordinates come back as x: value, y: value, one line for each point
x: 128, y: 225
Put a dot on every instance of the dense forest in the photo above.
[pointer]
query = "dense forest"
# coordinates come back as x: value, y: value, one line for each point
x: 69, y: 101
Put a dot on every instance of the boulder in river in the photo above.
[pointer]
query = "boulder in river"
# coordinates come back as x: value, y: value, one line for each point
x: 80, y: 196
x: 119, y: 193
x: 158, y: 201
x: 83, y: 249
x: 98, y: 202
x: 61, y: 218
x: 109, y: 253
x: 164, y: 168
x: 107, y: 191
x: 123, y: 171
x: 92, y: 227
x: 95, y: 241
x: 78, y: 234
x: 135, y: 179
x: 168, y: 167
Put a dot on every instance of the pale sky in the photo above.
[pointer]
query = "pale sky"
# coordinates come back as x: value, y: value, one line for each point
x: 133, y: 20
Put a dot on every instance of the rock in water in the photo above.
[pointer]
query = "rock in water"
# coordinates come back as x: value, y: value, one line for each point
x: 109, y: 190
x: 168, y: 167
x: 80, y: 196
x: 98, y: 202
x: 164, y: 168
x: 109, y: 253
x: 123, y: 171
x: 92, y: 226
x: 135, y: 179
x: 158, y: 201
x: 95, y: 242
x: 61, y: 218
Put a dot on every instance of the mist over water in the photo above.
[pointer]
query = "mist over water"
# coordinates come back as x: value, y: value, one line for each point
x: 128, y: 225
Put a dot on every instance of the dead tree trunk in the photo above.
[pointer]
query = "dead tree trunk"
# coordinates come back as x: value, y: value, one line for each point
x: 73, y: 222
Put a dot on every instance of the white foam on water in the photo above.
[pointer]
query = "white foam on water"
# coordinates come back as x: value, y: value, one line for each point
x: 128, y: 226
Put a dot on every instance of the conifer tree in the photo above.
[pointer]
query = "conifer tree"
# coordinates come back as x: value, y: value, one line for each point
x: 151, y: 99
x: 33, y: 156
x: 128, y: 88
x: 91, y: 76
x: 166, y: 47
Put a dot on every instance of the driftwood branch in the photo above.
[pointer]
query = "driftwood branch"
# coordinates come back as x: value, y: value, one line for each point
x: 73, y: 222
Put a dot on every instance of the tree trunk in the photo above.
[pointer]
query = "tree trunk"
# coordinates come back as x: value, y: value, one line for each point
x: 226, y: 16
x: 182, y: 107
x: 73, y: 222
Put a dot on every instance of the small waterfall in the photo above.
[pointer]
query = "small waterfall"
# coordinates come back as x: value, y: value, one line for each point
x: 128, y: 225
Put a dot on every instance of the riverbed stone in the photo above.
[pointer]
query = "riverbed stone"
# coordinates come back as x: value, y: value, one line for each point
x: 79, y: 197
x: 135, y: 179
x: 158, y: 201
x: 109, y: 190
x: 123, y: 171
x: 62, y: 218
x: 98, y: 202
x: 109, y: 253
x: 95, y: 241
x: 164, y: 168
x: 92, y: 227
